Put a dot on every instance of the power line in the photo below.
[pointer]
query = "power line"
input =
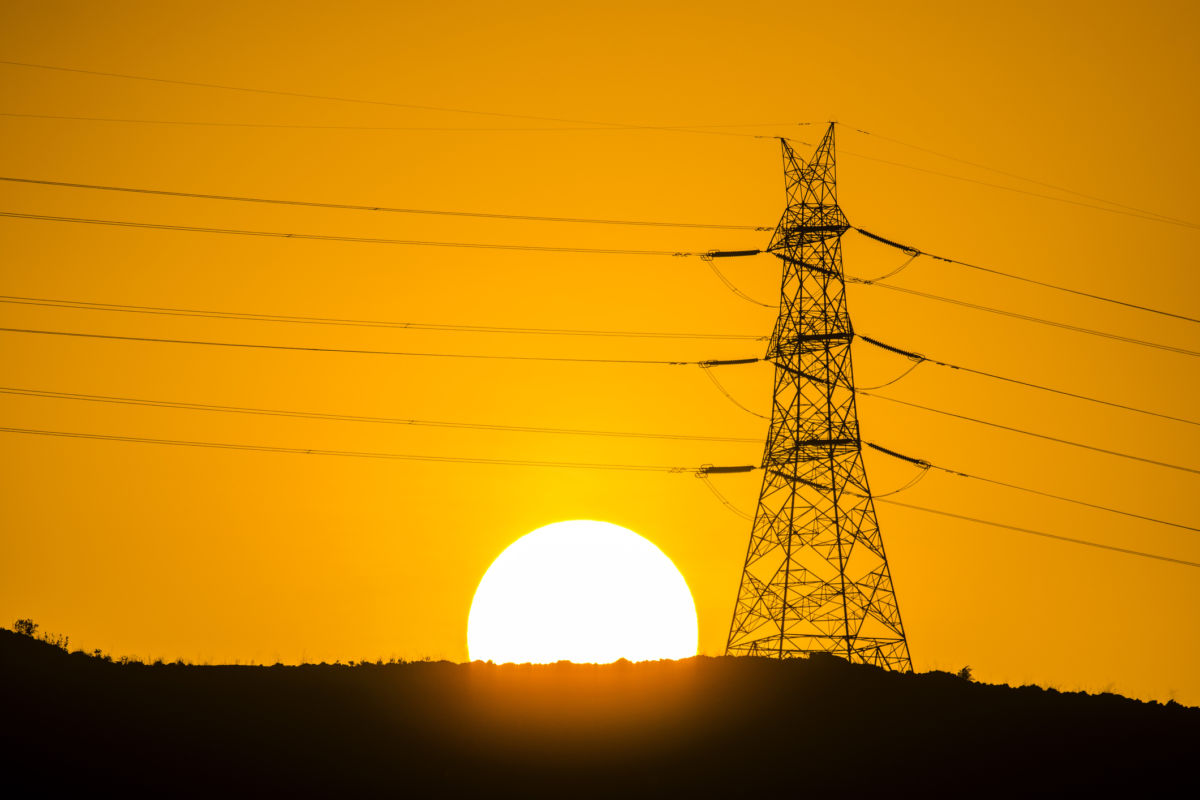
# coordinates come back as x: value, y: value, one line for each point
x: 920, y: 476
x: 911, y: 258
x: 916, y: 251
x: 915, y: 357
x: 720, y: 388
x: 391, y: 104
x: 1027, y: 317
x: 386, y: 209
x: 1150, y: 217
x: 899, y: 377
x: 296, y: 348
x: 523, y: 463
x: 730, y: 285
x: 540, y: 429
x: 921, y: 359
x: 1066, y: 499
x: 1043, y: 534
x: 420, y: 326
x: 1031, y: 433
x: 433, y: 129
x: 1023, y: 178
x: 702, y: 475
x: 358, y: 239
x: 552, y: 249
x: 520, y: 463
x: 351, y: 453
x: 926, y: 465
x: 1108, y: 403
x: 274, y: 412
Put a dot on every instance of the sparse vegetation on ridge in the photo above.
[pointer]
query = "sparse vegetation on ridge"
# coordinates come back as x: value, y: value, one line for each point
x: 698, y: 725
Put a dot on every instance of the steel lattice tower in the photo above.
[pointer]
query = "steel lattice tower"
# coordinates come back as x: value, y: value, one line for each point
x: 816, y: 577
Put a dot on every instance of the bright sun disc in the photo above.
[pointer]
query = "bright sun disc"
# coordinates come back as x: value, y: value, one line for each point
x: 581, y: 591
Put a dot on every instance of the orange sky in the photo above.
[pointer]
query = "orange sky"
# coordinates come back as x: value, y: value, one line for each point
x: 226, y: 555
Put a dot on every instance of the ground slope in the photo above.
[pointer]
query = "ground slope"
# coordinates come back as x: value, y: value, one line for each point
x: 702, y: 726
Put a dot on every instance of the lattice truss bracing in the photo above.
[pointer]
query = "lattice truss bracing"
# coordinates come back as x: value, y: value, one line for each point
x: 816, y: 577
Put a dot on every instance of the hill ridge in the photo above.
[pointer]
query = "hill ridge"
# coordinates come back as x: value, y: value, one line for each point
x: 735, y: 725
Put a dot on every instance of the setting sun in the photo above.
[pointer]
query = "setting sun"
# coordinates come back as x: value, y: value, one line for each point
x: 581, y: 591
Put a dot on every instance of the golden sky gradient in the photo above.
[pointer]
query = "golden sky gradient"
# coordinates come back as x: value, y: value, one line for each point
x: 221, y: 555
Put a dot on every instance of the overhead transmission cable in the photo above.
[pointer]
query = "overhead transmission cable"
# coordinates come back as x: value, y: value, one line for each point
x: 586, y: 250
x: 706, y: 364
x: 360, y: 323
x: 920, y: 476
x: 384, y: 209
x: 1149, y: 217
x: 275, y: 412
x: 428, y: 128
x: 899, y: 377
x: 1032, y: 433
x: 870, y: 393
x: 351, y: 453
x: 975, y: 306
x: 914, y: 252
x: 708, y: 373
x: 168, y: 404
x: 708, y: 258
x: 919, y: 359
x: 354, y: 351
x: 912, y: 257
x: 1030, y: 531
x: 357, y: 239
x: 1022, y: 177
x: 916, y: 358
x: 925, y: 466
x: 1061, y: 498
x: 1027, y: 317
x: 705, y: 471
x: 361, y: 101
x: 702, y: 474
x: 1011, y: 429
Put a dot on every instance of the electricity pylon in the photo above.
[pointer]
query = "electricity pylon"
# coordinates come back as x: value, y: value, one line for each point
x: 816, y: 578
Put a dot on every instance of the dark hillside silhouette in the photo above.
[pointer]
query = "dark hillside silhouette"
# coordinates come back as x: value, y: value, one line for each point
x: 703, y: 726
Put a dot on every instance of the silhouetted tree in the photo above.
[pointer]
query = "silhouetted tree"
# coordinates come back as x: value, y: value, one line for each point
x: 25, y: 627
